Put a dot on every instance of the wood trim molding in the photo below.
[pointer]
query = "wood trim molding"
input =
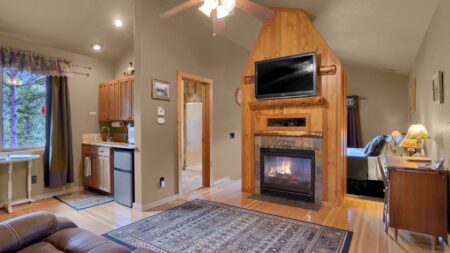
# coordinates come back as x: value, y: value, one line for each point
x: 144, y: 207
x: 288, y: 133
x: 207, y: 96
x: 288, y: 102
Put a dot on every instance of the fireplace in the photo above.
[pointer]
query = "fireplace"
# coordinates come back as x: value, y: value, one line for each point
x: 288, y: 173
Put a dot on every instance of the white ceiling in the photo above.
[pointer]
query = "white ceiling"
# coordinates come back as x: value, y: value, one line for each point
x: 71, y: 25
x: 381, y: 34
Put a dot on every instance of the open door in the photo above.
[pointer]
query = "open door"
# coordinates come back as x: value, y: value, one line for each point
x: 194, y: 132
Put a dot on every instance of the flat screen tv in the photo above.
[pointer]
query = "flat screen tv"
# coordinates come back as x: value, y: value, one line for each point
x: 292, y: 76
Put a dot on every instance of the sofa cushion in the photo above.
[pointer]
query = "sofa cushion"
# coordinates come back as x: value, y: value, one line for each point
x: 79, y: 240
x: 24, y: 230
x: 41, y: 247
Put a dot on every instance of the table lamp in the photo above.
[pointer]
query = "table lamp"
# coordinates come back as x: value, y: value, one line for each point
x: 413, y: 139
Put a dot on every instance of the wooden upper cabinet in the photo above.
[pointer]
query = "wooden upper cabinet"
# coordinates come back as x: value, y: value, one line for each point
x: 103, y: 102
x: 116, y: 100
x: 126, y: 99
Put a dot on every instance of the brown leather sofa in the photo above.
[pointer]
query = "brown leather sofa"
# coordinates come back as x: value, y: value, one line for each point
x: 44, y: 232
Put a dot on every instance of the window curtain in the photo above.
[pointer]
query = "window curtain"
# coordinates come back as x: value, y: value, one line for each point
x: 354, y: 139
x: 19, y: 59
x: 58, y: 160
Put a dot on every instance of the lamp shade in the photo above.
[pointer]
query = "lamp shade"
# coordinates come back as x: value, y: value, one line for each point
x: 417, y: 132
x: 395, y: 134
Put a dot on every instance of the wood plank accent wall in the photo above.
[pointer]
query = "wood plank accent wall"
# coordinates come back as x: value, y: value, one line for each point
x: 291, y: 32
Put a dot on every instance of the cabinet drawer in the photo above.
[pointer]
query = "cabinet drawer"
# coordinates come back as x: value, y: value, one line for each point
x: 96, y: 150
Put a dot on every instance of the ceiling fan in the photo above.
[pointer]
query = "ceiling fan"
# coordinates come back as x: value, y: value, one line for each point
x: 217, y: 10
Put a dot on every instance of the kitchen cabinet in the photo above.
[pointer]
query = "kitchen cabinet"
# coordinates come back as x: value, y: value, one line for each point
x: 99, y: 176
x: 116, y: 100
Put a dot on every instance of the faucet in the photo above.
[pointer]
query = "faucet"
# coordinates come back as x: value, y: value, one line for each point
x: 108, y: 137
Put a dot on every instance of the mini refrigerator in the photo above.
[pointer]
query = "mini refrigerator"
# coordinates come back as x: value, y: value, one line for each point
x: 124, y: 177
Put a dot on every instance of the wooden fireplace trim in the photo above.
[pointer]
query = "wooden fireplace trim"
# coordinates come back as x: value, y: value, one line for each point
x: 291, y: 32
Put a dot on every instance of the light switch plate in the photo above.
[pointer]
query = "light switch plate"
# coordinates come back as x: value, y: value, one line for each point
x: 92, y: 113
x: 161, y: 111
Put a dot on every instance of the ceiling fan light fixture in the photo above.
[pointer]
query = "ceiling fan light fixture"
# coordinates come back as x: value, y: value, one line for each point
x: 211, y: 4
x: 222, y: 12
x: 205, y: 10
x: 229, y: 5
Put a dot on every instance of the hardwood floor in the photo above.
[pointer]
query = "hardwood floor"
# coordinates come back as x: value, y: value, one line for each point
x: 191, y: 180
x: 363, y: 217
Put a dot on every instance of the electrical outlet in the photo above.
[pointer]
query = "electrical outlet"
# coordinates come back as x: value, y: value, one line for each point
x: 162, y: 182
x: 33, y: 179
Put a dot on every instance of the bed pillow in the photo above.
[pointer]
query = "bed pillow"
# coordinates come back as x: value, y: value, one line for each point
x: 374, y: 147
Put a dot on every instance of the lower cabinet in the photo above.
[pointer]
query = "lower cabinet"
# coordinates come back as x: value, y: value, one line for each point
x: 97, y: 173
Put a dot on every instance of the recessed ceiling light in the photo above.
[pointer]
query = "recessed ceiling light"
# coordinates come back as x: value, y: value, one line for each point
x: 118, y: 23
x: 97, y: 47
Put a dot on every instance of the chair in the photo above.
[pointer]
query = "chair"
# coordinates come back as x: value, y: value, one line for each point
x: 384, y: 173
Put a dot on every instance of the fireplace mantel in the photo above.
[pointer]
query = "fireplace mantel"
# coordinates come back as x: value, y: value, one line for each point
x: 288, y: 133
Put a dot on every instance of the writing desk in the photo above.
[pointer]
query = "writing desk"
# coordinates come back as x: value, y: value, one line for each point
x: 417, y: 197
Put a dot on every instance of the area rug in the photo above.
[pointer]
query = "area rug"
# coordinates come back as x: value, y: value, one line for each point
x: 205, y: 226
x: 83, y: 199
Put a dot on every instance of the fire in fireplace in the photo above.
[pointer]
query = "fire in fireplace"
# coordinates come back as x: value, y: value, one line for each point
x: 288, y: 173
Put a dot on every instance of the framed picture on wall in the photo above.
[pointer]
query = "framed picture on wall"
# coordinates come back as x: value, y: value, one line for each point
x: 438, y: 87
x: 412, y: 95
x: 160, y: 90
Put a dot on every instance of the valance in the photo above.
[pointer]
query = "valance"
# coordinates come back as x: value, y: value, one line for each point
x: 26, y: 60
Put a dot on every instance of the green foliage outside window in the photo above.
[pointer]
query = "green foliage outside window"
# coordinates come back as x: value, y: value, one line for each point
x: 23, y: 109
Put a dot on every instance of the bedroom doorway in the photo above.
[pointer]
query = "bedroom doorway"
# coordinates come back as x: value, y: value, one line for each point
x: 194, y: 132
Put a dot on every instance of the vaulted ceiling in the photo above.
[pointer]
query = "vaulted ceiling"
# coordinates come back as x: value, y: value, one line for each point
x: 381, y: 34
x: 71, y: 25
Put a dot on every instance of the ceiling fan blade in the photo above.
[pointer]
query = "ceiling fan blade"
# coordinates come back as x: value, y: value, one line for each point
x: 182, y: 7
x: 259, y: 11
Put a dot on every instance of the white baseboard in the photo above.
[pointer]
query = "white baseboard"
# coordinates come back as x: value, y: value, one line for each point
x: 44, y: 195
x: 155, y: 203
x: 222, y: 180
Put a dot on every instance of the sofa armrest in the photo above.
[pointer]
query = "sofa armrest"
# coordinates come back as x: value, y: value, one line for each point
x: 64, y: 223
x: 24, y: 230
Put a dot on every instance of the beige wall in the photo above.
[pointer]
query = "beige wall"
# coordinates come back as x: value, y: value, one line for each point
x: 123, y: 63
x: 83, y: 97
x: 163, y: 46
x: 434, y: 56
x: 386, y: 106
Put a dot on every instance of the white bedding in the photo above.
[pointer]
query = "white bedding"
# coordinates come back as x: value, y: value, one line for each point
x: 374, y: 172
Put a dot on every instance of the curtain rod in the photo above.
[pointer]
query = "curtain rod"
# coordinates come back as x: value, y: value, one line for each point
x: 83, y: 67
x: 80, y: 73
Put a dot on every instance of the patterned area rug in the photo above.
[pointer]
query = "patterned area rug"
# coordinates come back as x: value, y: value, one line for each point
x: 204, y: 226
x: 83, y: 199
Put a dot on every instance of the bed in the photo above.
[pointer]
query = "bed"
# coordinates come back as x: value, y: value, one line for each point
x: 363, y: 173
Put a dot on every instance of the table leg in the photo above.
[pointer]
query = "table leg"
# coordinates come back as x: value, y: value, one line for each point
x: 9, y: 205
x: 396, y: 233
x: 29, y: 163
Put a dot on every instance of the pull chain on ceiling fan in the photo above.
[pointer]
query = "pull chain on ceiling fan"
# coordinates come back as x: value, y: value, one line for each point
x: 217, y: 10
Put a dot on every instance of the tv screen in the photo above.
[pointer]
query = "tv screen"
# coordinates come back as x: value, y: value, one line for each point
x: 292, y: 76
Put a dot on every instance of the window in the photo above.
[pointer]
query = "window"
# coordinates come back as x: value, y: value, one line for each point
x: 23, y: 109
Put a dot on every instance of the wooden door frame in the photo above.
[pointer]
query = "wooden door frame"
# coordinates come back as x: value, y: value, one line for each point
x: 207, y: 102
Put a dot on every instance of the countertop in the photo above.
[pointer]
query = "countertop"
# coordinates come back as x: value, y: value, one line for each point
x: 122, y: 145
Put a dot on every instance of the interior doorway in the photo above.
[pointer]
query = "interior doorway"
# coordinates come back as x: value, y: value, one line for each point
x: 194, y: 132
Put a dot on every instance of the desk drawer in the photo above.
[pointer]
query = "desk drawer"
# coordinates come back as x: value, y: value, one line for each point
x: 96, y: 150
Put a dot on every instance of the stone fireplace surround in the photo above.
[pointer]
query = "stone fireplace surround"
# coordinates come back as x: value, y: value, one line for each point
x: 289, y: 142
